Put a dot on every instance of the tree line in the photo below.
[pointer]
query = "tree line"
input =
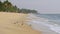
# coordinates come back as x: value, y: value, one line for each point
x: 7, y: 6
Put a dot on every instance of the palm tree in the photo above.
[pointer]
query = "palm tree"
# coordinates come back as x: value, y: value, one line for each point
x: 7, y: 3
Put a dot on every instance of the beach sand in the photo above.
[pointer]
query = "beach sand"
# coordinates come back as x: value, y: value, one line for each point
x: 14, y: 23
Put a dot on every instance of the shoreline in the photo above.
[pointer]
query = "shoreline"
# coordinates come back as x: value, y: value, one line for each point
x: 40, y: 26
x: 15, y: 23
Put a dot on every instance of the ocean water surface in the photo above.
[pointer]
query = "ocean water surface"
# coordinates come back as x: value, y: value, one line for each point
x: 53, y: 21
x: 49, y: 23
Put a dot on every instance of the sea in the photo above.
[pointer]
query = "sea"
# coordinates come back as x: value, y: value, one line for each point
x: 47, y: 23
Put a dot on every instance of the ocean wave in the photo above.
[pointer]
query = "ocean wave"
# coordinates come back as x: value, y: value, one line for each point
x: 45, y: 22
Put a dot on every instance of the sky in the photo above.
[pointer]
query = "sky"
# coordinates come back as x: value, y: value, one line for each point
x: 42, y: 6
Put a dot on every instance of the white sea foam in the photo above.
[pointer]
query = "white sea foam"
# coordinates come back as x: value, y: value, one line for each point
x: 44, y: 22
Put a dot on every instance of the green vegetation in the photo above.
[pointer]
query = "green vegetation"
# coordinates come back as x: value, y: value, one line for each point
x: 6, y: 6
x: 27, y: 11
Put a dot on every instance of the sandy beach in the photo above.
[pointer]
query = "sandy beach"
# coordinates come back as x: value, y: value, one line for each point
x: 14, y: 23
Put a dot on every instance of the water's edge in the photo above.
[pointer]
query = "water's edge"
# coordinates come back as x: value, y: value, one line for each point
x: 40, y: 24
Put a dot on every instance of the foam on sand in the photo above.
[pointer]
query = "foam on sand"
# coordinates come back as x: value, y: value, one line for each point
x: 41, y: 24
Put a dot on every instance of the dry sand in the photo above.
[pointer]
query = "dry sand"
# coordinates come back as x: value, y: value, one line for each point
x: 14, y: 23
